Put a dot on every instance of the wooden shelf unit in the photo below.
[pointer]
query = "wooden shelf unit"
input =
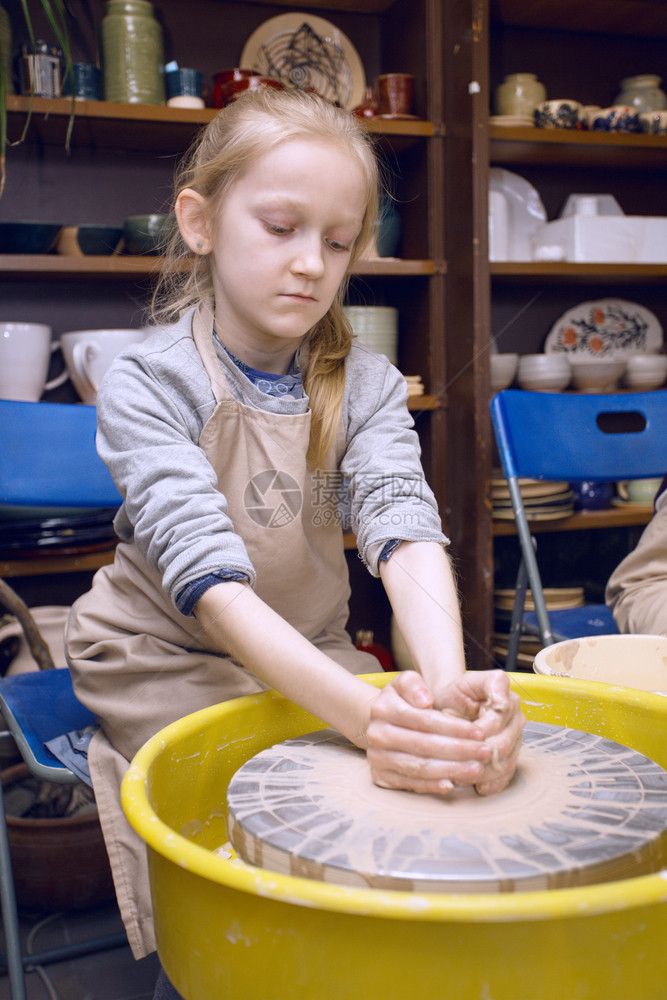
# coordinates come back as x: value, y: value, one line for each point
x: 581, y: 51
x: 121, y: 162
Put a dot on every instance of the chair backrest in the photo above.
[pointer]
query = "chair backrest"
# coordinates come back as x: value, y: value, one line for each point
x: 577, y: 436
x: 48, y: 457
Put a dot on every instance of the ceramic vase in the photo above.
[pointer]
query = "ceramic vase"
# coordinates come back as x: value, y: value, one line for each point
x: 132, y: 50
x: 519, y: 94
x: 642, y: 93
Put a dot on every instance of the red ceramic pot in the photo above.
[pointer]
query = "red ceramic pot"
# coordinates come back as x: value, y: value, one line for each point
x: 224, y: 77
x: 231, y: 91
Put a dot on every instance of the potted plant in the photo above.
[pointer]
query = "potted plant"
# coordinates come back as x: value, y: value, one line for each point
x: 55, y: 13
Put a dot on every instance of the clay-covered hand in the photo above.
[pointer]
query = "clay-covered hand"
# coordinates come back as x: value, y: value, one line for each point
x: 484, y: 696
x: 412, y: 744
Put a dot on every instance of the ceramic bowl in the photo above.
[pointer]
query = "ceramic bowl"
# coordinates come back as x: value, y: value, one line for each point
x: 544, y: 372
x: 88, y: 240
x: 636, y: 661
x: 617, y: 118
x: 28, y: 237
x: 562, y: 113
x: 596, y: 376
x: 503, y: 370
x: 653, y: 122
x: 146, y: 234
x: 645, y: 371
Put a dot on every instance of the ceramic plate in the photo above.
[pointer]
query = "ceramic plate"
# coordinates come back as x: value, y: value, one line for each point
x: 631, y: 504
x: 605, y: 328
x: 302, y: 50
x: 525, y: 211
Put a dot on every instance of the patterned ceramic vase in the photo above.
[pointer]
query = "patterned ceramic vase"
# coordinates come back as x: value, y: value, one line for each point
x: 519, y: 94
x: 642, y: 93
x: 132, y: 50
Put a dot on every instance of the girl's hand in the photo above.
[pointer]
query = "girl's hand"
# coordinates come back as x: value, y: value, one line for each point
x: 485, y: 696
x: 413, y: 745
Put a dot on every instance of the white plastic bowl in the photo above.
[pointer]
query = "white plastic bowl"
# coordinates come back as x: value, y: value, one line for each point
x: 635, y: 661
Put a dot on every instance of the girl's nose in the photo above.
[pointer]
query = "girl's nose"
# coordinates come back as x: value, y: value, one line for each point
x: 309, y: 258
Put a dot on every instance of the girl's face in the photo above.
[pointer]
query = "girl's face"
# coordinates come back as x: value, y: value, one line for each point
x: 281, y: 244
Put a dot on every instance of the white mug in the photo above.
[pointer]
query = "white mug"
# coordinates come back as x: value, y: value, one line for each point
x: 25, y: 352
x: 89, y: 353
x: 640, y: 491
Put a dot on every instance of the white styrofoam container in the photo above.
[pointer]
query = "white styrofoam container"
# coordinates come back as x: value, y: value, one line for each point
x: 630, y: 239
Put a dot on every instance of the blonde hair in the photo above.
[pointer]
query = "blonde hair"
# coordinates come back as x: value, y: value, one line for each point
x: 238, y: 136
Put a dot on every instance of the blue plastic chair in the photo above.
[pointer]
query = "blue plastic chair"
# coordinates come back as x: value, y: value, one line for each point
x: 572, y: 437
x: 48, y: 459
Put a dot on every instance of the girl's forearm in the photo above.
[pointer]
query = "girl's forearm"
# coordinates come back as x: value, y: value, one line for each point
x: 420, y: 584
x: 237, y: 621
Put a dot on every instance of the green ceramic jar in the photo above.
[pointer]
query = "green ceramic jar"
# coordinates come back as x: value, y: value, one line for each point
x: 132, y: 52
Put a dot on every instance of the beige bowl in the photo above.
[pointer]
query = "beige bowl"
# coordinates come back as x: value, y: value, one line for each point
x: 646, y: 371
x: 596, y: 376
x: 636, y: 661
x: 544, y: 372
x: 503, y: 370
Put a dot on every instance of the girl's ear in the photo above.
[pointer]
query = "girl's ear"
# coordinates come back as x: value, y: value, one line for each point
x: 192, y: 221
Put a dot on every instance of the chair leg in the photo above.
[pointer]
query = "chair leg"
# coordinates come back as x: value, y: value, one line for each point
x: 517, y: 616
x: 9, y: 913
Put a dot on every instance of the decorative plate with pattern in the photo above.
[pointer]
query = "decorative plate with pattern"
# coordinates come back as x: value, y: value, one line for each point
x: 605, y: 329
x: 305, y: 51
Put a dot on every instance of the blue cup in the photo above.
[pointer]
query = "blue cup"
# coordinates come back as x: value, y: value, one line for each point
x: 592, y: 496
x: 87, y: 82
x: 183, y: 83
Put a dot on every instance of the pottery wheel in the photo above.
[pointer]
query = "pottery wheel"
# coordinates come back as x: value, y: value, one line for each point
x: 581, y: 809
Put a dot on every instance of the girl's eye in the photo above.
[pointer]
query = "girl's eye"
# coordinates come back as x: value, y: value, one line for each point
x: 338, y: 247
x: 278, y: 230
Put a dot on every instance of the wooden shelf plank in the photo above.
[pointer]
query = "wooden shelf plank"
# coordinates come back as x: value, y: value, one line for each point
x: 584, y: 520
x: 570, y: 272
x: 57, y: 266
x: 50, y: 564
x: 150, y: 127
x: 551, y: 147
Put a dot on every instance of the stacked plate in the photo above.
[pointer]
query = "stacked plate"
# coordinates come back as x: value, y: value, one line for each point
x: 29, y: 532
x: 555, y: 598
x: 511, y: 121
x: 543, y: 500
x: 415, y: 385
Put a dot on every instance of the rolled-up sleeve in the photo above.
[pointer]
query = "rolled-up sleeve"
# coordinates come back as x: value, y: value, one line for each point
x: 390, y: 498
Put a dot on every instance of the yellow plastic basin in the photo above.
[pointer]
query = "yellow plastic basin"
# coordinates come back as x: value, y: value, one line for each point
x: 225, y: 931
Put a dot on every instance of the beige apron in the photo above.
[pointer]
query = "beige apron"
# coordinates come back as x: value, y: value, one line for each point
x: 139, y: 664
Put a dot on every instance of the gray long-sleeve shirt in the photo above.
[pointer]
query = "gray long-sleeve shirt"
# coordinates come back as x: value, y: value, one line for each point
x: 152, y: 406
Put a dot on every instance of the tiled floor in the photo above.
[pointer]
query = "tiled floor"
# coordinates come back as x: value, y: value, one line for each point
x: 109, y: 975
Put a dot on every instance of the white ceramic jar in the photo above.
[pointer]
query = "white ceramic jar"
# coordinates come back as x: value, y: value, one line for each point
x: 642, y: 93
x: 519, y: 94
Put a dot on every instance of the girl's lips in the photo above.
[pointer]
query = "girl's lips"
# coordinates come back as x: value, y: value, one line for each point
x: 298, y: 296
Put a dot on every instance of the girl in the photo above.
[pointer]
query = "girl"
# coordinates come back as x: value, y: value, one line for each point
x: 234, y: 433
